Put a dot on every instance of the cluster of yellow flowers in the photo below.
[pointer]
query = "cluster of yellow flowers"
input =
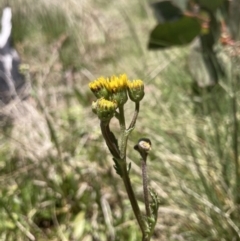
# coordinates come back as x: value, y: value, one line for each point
x: 113, y: 92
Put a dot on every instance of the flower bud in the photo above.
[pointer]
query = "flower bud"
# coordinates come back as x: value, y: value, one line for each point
x: 117, y: 88
x: 135, y: 90
x: 120, y: 97
x: 105, y: 109
x: 144, y: 145
x: 98, y: 88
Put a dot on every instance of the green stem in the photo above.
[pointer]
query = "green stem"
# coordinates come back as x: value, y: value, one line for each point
x: 132, y: 198
x: 235, y: 147
x: 125, y: 174
x: 145, y: 187
x: 135, y: 115
x: 123, y: 144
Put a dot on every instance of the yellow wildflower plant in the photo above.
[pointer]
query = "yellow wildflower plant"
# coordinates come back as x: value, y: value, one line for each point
x: 112, y: 93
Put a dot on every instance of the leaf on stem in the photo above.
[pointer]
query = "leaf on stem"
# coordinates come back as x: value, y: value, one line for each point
x: 154, y: 205
x: 117, y: 167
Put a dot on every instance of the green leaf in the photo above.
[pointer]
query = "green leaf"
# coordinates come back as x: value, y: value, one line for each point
x: 176, y: 33
x: 154, y: 206
x: 155, y: 203
x: 166, y: 11
x: 117, y: 167
x: 211, y: 5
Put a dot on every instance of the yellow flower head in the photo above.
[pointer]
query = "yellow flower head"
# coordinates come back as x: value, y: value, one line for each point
x: 115, y: 84
x: 135, y: 90
x: 98, y: 87
x: 97, y: 84
x: 135, y: 84
x: 115, y: 89
x: 105, y: 109
x: 106, y: 104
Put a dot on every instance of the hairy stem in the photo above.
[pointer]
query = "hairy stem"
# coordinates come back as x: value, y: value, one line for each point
x: 123, y: 144
x: 125, y: 174
x: 135, y: 115
x: 145, y: 188
x: 132, y: 198
x: 235, y: 147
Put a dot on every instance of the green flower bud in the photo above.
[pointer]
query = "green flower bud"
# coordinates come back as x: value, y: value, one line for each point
x: 105, y: 109
x: 135, y: 90
x: 117, y: 88
x: 120, y: 97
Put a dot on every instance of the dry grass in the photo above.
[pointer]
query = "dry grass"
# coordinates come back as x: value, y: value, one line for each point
x: 55, y: 183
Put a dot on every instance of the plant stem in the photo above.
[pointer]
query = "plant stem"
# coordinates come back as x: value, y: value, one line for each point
x: 235, y: 146
x: 123, y: 144
x: 145, y: 187
x: 135, y: 115
x: 123, y: 165
x: 132, y: 198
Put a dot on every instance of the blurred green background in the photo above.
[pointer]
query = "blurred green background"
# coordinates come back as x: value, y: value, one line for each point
x: 57, y: 180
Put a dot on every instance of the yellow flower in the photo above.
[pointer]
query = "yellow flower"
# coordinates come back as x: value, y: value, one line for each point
x: 105, y: 109
x: 106, y: 104
x: 117, y: 89
x: 135, y: 84
x: 135, y: 90
x: 98, y: 87
x: 97, y: 84
x: 115, y: 84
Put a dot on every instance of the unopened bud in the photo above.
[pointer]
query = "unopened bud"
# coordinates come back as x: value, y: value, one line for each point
x: 143, y: 146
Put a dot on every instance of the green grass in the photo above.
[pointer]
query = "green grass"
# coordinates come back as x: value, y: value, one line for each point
x: 57, y: 180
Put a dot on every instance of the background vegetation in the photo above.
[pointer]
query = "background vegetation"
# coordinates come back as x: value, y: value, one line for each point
x: 56, y: 175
